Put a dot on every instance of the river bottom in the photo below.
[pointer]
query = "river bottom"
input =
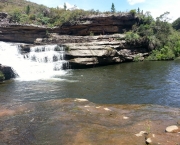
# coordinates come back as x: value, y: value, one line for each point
x: 80, y: 122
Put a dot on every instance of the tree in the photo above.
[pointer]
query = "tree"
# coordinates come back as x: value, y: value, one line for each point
x: 113, y: 10
x: 65, y: 6
x: 28, y: 10
x: 176, y: 24
x: 138, y: 10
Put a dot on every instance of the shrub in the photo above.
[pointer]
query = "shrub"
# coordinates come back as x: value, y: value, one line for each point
x: 91, y: 33
x: 133, y: 12
x: 24, y: 19
x: 163, y: 54
x: 16, y: 15
x: 131, y: 36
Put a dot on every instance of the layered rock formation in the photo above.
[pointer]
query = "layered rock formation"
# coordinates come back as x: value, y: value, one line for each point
x: 14, y: 32
x: 103, y: 50
x: 82, y: 51
x: 99, y: 24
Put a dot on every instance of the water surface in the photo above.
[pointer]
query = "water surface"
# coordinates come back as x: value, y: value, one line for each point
x: 127, y: 83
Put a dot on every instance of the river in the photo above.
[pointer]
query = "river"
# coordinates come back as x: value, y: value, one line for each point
x: 127, y: 83
x: 40, y: 106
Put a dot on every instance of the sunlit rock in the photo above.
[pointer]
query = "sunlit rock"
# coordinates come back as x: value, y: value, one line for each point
x: 172, y: 129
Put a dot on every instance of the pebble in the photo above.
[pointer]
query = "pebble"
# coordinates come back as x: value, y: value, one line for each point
x: 148, y: 140
x: 107, y: 109
x: 81, y: 100
x: 124, y: 117
x: 140, y: 133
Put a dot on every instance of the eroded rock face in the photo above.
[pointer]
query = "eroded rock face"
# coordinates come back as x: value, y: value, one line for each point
x: 103, y: 50
x: 99, y: 24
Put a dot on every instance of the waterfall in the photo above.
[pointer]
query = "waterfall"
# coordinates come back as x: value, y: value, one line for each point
x: 42, y: 62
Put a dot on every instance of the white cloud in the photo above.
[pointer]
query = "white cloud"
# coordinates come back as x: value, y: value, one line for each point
x: 165, y: 6
x: 69, y: 6
x: 133, y: 2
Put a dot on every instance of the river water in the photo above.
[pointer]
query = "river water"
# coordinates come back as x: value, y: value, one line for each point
x: 128, y: 83
x: 34, y: 108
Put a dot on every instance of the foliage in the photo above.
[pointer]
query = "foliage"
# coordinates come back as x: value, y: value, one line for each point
x: 176, y: 24
x: 91, y: 33
x: 1, y: 76
x: 65, y: 7
x: 28, y: 10
x: 133, y: 12
x: 113, y: 10
x: 131, y: 36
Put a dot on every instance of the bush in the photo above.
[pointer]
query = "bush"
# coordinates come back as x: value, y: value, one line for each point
x: 131, y: 36
x: 163, y: 54
x: 24, y: 19
x: 133, y: 12
x: 16, y: 15
x: 1, y: 76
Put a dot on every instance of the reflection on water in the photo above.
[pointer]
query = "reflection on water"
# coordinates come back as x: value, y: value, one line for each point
x: 127, y: 83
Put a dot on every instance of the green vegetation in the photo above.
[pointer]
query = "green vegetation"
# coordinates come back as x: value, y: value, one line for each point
x: 113, y: 10
x: 25, y: 12
x: 176, y: 24
x: 91, y: 33
x: 158, y: 35
x: 1, y: 76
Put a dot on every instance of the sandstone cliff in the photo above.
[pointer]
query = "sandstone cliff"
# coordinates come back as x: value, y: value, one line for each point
x: 98, y: 24
x: 106, y: 47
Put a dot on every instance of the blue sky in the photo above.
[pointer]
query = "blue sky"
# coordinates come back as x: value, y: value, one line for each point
x: 156, y: 7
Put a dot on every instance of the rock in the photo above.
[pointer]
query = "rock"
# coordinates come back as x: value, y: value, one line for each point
x: 124, y: 117
x: 102, y: 52
x: 141, y: 133
x: 81, y: 100
x: 148, y: 141
x: 178, y: 122
x: 99, y: 24
x: 8, y: 72
x: 172, y: 129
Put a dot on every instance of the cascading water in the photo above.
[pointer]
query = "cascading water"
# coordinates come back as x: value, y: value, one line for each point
x: 42, y: 62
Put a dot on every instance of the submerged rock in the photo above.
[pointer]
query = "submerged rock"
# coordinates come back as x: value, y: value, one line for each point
x: 78, y: 121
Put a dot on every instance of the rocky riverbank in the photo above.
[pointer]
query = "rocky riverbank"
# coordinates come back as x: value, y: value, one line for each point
x: 85, y: 50
x: 78, y: 121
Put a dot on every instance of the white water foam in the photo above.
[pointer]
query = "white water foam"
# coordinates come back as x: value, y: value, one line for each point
x: 42, y: 62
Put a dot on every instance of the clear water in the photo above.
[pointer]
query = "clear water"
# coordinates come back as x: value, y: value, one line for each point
x: 41, y: 78
x: 127, y: 83
x: 45, y: 122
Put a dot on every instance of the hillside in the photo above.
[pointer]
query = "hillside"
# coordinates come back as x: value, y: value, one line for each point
x: 11, y: 5
x: 25, y: 12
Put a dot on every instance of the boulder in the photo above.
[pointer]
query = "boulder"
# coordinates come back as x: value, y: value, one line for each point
x: 8, y: 72
x: 172, y: 129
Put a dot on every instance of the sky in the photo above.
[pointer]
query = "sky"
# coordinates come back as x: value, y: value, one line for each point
x: 156, y: 7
